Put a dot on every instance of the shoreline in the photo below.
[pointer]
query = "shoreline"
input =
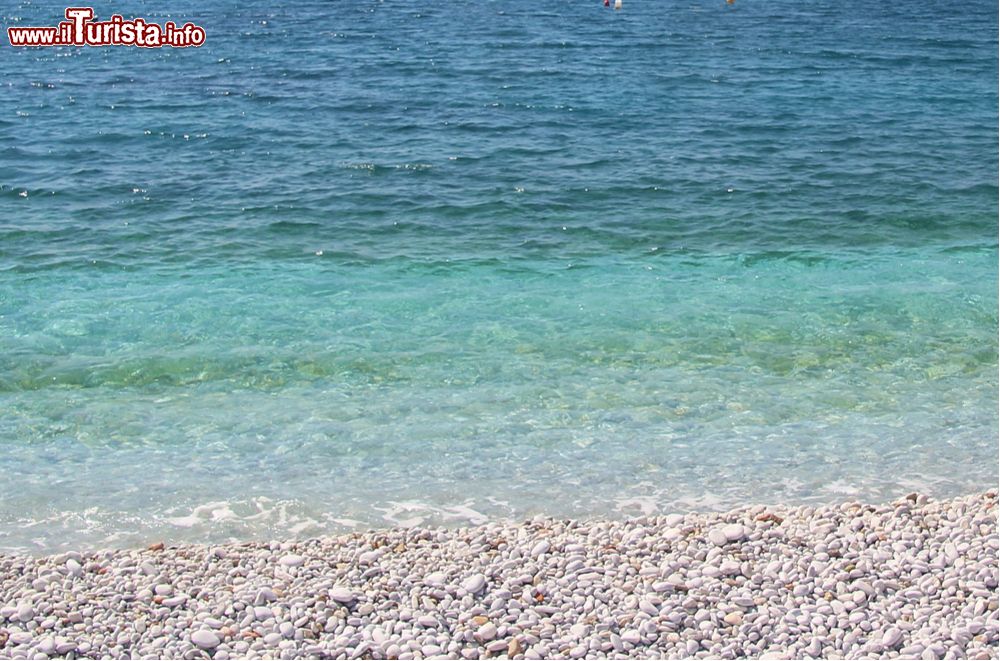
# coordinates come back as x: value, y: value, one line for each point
x: 914, y: 578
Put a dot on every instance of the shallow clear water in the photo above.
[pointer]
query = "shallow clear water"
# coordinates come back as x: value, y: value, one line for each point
x: 370, y: 264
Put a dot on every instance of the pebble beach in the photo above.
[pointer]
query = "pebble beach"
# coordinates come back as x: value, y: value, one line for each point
x: 914, y: 578
x: 500, y: 330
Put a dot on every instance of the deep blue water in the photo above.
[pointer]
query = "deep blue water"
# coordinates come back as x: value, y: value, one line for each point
x: 369, y: 263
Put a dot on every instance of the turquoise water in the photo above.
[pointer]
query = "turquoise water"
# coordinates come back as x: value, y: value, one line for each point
x: 353, y: 265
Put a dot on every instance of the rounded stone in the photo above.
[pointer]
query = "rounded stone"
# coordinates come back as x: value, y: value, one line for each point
x: 25, y: 612
x: 486, y: 632
x: 291, y: 560
x: 892, y: 638
x: 540, y: 548
x: 734, y: 532
x: 718, y: 537
x: 474, y: 584
x: 342, y: 594
x: 205, y: 639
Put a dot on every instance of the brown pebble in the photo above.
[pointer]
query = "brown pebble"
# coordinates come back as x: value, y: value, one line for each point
x: 158, y: 546
x: 769, y: 516
x: 513, y: 647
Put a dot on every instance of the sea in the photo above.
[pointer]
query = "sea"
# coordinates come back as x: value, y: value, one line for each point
x: 352, y: 265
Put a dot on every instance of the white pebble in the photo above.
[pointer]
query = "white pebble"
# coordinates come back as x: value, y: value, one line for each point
x: 342, y: 594
x: 540, y: 548
x: 205, y: 639
x: 474, y: 583
x: 291, y: 560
